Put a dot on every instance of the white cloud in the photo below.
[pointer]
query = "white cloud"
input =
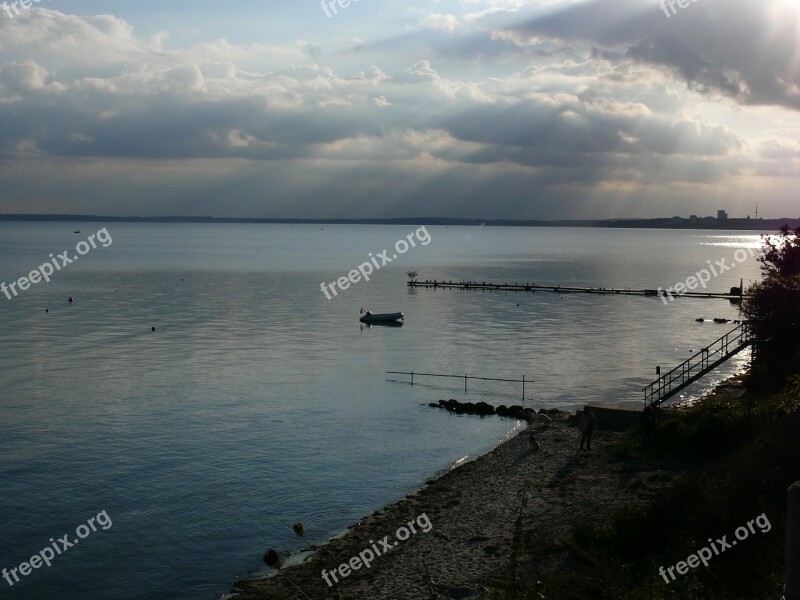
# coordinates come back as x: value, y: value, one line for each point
x: 441, y: 22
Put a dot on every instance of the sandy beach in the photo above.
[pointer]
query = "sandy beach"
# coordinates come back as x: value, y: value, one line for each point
x: 472, y: 510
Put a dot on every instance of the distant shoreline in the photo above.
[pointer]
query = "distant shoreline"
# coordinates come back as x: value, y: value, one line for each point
x: 707, y: 223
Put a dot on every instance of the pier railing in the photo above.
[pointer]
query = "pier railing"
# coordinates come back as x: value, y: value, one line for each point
x: 692, y: 369
x: 465, y: 377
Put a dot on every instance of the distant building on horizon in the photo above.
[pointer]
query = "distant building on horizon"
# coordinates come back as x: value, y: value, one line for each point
x: 722, y: 215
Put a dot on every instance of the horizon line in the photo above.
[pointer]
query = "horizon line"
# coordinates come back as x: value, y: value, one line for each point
x: 708, y: 220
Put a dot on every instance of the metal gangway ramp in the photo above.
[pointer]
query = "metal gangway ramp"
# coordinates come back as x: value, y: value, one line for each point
x: 694, y: 368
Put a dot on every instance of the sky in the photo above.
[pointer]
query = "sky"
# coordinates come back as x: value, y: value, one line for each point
x: 495, y: 109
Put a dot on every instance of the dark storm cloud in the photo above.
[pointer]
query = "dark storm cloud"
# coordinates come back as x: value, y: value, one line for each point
x: 745, y: 49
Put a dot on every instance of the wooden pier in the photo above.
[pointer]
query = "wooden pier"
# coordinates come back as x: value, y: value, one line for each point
x: 566, y: 289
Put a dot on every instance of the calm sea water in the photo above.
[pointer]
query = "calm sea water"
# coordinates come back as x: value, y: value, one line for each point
x: 258, y: 402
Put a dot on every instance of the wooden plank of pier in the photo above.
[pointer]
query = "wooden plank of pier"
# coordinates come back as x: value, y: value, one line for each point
x: 563, y: 289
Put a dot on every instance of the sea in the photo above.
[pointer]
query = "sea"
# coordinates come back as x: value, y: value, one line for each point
x: 258, y: 402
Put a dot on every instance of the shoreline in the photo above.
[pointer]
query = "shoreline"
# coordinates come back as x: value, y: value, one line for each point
x: 472, y: 510
x: 303, y: 555
x: 303, y: 558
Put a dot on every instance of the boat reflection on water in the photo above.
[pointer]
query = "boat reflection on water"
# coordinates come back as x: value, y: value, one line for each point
x: 381, y: 324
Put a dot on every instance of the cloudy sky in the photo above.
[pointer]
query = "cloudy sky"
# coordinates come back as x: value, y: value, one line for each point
x: 475, y: 108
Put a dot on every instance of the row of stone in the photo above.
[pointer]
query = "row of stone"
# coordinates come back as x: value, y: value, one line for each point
x: 482, y: 408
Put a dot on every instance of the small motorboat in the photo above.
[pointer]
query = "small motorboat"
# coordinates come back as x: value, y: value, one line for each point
x: 370, y: 317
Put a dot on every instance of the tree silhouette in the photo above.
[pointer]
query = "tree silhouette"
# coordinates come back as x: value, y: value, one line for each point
x: 773, y: 305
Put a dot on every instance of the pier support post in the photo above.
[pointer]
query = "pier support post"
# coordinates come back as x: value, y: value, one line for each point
x: 792, y: 589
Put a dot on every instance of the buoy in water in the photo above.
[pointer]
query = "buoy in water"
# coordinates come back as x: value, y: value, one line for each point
x: 71, y: 299
x: 153, y: 328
